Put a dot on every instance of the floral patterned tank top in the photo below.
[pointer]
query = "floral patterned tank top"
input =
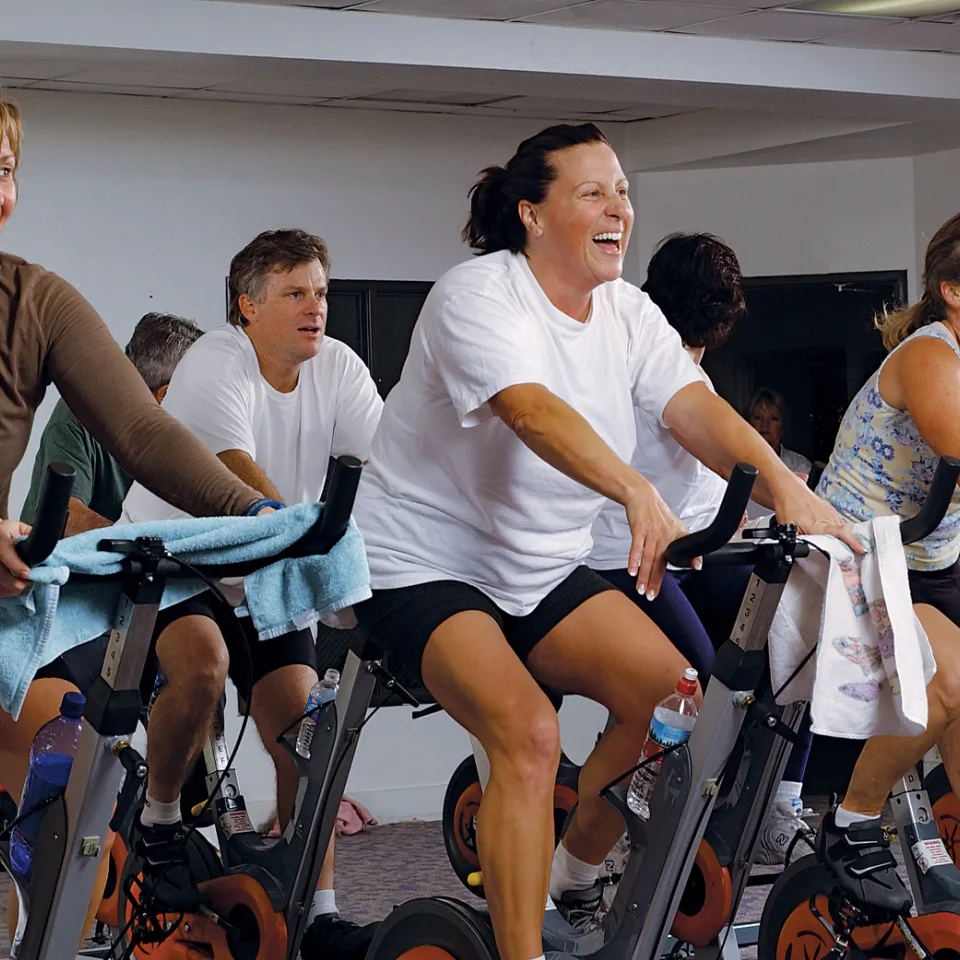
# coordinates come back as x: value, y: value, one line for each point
x: 881, y: 465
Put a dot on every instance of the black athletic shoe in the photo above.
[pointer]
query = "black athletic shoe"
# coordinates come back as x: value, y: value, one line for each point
x: 330, y: 937
x: 582, y: 909
x: 165, y: 865
x: 859, y: 857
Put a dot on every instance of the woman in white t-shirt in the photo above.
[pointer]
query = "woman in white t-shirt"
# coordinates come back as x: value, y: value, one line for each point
x: 511, y: 423
x: 695, y: 280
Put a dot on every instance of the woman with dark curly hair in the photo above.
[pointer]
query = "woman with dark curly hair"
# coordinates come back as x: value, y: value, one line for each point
x: 695, y: 279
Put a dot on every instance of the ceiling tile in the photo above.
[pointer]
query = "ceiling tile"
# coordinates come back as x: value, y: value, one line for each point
x: 912, y: 35
x: 634, y: 15
x: 362, y: 103
x: 473, y: 9
x: 233, y: 97
x: 738, y: 4
x: 126, y: 89
x: 433, y: 96
x: 299, y: 80
x: 783, y: 25
x: 563, y: 105
x: 179, y: 73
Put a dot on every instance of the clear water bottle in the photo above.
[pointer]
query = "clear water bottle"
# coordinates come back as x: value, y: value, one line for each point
x: 51, y: 758
x: 672, y: 723
x: 323, y: 691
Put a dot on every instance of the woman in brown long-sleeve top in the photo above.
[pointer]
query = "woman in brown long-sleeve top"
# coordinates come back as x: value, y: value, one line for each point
x: 50, y: 334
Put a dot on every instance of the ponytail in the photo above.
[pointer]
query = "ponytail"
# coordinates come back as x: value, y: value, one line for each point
x: 941, y: 265
x: 895, y: 326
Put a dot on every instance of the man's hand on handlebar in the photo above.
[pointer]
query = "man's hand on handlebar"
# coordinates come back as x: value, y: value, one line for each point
x: 653, y: 528
x: 798, y: 505
x: 13, y: 571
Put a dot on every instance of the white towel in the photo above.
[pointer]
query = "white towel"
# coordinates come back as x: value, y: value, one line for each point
x: 869, y: 676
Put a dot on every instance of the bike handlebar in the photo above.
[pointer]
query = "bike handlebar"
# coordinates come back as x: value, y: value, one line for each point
x: 53, y: 505
x: 725, y: 524
x: 936, y: 504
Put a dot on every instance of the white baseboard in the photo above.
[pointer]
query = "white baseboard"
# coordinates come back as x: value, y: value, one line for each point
x: 399, y: 804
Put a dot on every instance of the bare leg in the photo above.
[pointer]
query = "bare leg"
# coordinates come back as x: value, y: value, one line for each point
x: 611, y: 652
x: 194, y: 660
x: 482, y: 684
x: 885, y: 759
x: 278, y: 699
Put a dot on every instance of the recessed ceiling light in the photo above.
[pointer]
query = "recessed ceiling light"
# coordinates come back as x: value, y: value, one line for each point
x: 882, y: 8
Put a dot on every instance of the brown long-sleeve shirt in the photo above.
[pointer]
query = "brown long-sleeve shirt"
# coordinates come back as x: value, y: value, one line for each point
x: 50, y: 334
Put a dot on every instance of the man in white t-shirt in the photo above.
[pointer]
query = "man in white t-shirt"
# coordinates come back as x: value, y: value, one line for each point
x: 274, y: 399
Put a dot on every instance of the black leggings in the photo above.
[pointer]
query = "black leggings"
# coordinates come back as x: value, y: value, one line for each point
x: 939, y: 588
x: 697, y: 611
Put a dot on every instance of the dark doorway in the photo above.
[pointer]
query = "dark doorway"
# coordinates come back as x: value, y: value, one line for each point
x: 810, y: 338
x: 376, y: 319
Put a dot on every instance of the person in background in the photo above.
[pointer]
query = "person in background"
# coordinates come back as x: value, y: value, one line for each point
x: 159, y: 341
x: 274, y: 398
x: 695, y: 279
x: 767, y: 414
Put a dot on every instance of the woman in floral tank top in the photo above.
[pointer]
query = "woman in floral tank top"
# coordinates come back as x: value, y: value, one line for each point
x: 903, y: 418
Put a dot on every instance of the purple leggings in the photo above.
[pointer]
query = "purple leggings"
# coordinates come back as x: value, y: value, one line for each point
x: 697, y: 611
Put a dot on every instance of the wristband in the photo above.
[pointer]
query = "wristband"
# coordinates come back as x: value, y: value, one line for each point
x: 258, y: 505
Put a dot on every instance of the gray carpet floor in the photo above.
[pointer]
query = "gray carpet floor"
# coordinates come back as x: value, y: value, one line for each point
x: 390, y: 864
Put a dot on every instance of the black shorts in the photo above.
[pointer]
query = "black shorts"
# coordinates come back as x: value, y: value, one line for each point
x: 939, y: 588
x: 402, y: 620
x: 81, y: 665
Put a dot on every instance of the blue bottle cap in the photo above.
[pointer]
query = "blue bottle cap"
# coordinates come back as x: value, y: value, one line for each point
x: 72, y: 705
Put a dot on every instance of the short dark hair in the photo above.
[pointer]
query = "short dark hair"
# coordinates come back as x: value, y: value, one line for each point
x: 158, y: 344
x: 695, y: 279
x: 270, y: 252
x: 495, y: 222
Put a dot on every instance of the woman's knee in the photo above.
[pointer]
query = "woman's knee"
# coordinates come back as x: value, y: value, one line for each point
x: 527, y: 747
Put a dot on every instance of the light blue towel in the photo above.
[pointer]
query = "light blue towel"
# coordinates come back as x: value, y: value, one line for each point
x: 53, y: 615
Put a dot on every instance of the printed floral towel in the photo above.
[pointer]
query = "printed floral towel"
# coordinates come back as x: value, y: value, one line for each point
x: 870, y: 673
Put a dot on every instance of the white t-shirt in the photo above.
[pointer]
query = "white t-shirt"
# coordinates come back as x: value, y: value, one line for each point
x: 690, y: 489
x: 450, y: 491
x: 218, y: 391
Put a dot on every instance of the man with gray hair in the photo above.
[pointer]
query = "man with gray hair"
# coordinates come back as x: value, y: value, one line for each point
x: 159, y: 341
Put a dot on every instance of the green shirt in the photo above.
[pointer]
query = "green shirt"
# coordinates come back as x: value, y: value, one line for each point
x: 100, y: 483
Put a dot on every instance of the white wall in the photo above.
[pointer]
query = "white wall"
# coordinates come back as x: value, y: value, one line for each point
x: 936, y: 195
x: 791, y: 219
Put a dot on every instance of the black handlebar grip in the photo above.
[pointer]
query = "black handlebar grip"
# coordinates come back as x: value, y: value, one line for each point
x: 342, y: 491
x: 725, y: 524
x: 52, y: 508
x: 936, y: 504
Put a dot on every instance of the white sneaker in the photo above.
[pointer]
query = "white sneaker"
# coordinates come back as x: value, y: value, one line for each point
x: 615, y: 862
x: 785, y: 835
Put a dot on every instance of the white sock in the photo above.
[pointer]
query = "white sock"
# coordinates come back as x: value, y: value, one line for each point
x: 156, y: 813
x: 324, y: 902
x: 846, y: 818
x: 788, y: 790
x: 569, y: 873
x: 541, y: 957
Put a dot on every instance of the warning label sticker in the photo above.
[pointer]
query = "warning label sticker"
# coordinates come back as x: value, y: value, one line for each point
x: 930, y: 853
x: 235, y: 821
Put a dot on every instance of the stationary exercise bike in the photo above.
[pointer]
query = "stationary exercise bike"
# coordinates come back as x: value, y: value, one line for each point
x: 256, y: 897
x: 717, y: 872
x: 808, y: 915
x: 689, y: 864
